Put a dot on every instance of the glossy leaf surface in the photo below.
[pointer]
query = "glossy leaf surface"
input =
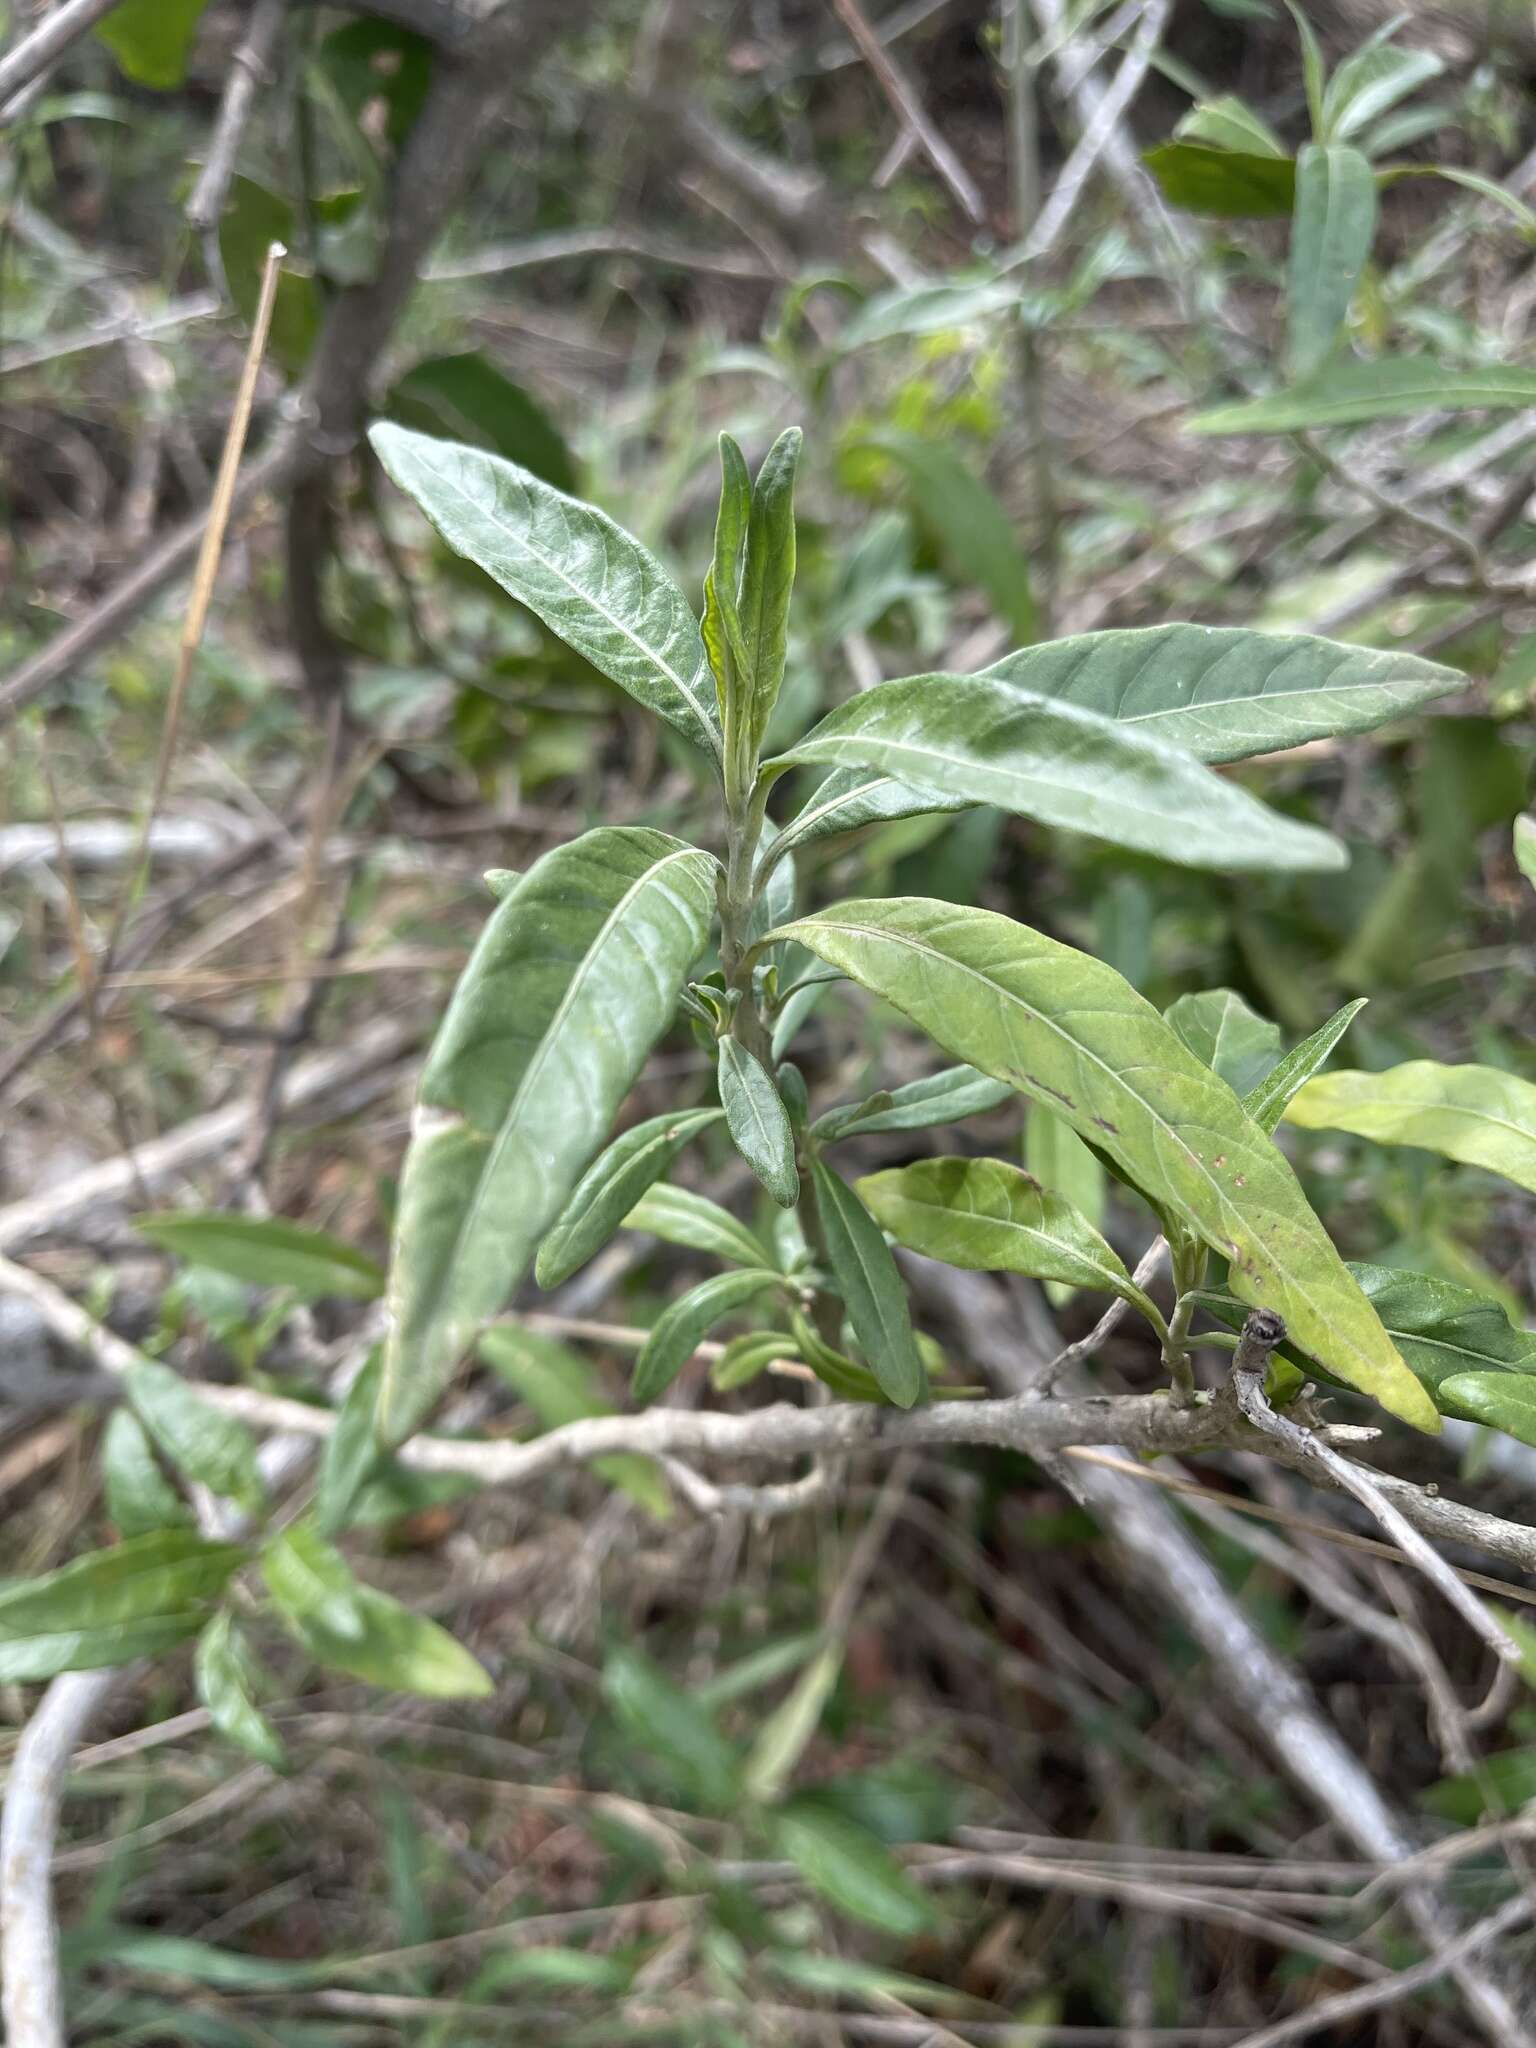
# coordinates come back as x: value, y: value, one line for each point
x: 988, y: 741
x: 593, y: 584
x: 1223, y: 692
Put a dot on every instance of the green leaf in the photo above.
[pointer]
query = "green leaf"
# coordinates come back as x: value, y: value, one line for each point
x: 1266, y: 1101
x: 1485, y: 188
x: 682, y: 1326
x: 139, y: 1496
x: 560, y: 1387
x: 851, y: 797
x: 576, y: 975
x: 225, y: 1685
x: 853, y: 1870
x: 1441, y: 1330
x: 112, y: 1606
x: 927, y: 309
x: 1232, y: 1040
x: 871, y: 1289
x: 1350, y: 394
x: 1502, y: 1400
x: 721, y: 624
x: 1525, y: 847
x: 1227, y: 184
x: 152, y: 39
x: 942, y: 1098
x: 679, y: 1216
x: 984, y: 739
x: 672, y: 1726
x: 465, y: 398
x: 591, y: 583
x: 610, y: 1188
x: 767, y: 579
x: 1369, y: 81
x: 990, y: 1217
x: 758, y: 1121
x: 349, y: 1627
x: 1067, y: 1030
x: 1332, y: 228
x: 1480, y: 1116
x: 971, y: 530
x: 351, y: 1456
x: 1222, y: 692
x: 252, y: 220
x: 1230, y: 123
x: 782, y: 1739
x: 215, y: 1449
x: 1313, y: 71
x: 1056, y: 1156
x: 267, y: 1251
x: 746, y: 1356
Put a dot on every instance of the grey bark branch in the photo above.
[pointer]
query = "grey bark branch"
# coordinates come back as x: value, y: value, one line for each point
x: 38, y: 52
x: 250, y: 69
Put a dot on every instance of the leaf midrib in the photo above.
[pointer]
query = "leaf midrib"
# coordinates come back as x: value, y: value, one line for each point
x: 948, y: 959
x: 684, y: 690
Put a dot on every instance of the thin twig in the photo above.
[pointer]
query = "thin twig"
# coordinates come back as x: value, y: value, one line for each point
x: 904, y: 99
x: 38, y: 52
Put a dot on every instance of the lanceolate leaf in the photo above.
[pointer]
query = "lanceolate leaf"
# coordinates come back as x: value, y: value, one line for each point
x: 991, y: 1217
x: 1068, y: 1031
x: 215, y: 1449
x: 139, y: 1496
x: 672, y: 1726
x: 1478, y: 1115
x: 111, y: 1606
x: 575, y: 977
x: 917, y: 1105
x: 1349, y: 394
x: 982, y: 738
x: 267, y: 1251
x: 850, y: 797
x: 1233, y: 1040
x: 1502, y: 1400
x: 351, y: 1456
x: 591, y: 583
x: 1525, y: 847
x: 871, y: 1289
x: 1222, y: 692
x: 721, y: 625
x: 1442, y: 1330
x: 679, y: 1216
x: 1266, y: 1102
x: 853, y: 1869
x: 768, y: 577
x: 758, y: 1121
x: 350, y: 1627
x: 1228, y: 184
x: 1331, y: 233
x: 680, y: 1328
x: 225, y: 1685
x: 1230, y: 123
x: 610, y: 1188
